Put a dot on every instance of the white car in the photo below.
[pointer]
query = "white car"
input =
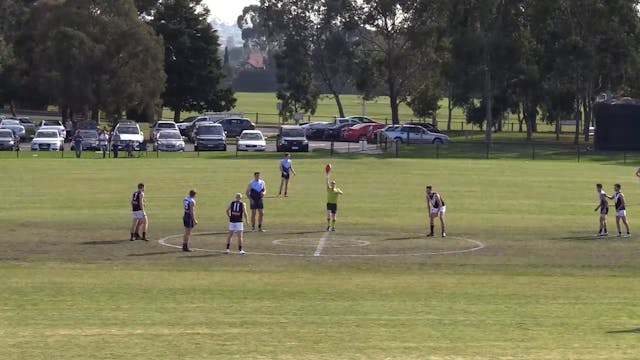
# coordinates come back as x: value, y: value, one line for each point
x: 47, y: 139
x: 130, y: 133
x: 169, y: 140
x: 162, y: 126
x: 54, y: 123
x: 413, y: 134
x: 252, y: 140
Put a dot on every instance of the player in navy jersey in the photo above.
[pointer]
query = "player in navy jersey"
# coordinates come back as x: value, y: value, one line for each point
x: 256, y: 191
x: 140, y: 219
x: 436, y: 208
x: 621, y: 209
x: 189, y: 218
x: 237, y: 213
x: 286, y: 169
x: 603, y: 206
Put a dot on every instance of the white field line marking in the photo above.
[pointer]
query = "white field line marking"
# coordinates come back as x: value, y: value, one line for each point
x: 478, y: 246
x: 321, y: 243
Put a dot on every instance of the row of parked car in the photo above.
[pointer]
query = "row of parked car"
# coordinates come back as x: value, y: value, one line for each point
x: 362, y: 128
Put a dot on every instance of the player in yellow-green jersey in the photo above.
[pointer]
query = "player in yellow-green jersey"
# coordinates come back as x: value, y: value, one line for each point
x: 332, y: 203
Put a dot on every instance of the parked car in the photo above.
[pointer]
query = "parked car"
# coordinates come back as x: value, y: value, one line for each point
x: 26, y: 122
x: 315, y: 130
x: 185, y: 124
x: 47, y: 139
x: 89, y: 140
x: 361, y: 132
x: 355, y: 118
x: 235, y: 126
x: 8, y: 140
x: 15, y: 126
x: 252, y: 140
x: 414, y: 134
x: 210, y: 136
x: 291, y: 138
x: 334, y: 132
x: 161, y: 126
x: 169, y: 140
x: 130, y: 134
x: 195, y: 126
x: 426, y: 126
x: 57, y: 124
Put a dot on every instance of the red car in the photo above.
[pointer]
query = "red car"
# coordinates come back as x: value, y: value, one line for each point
x: 360, y: 131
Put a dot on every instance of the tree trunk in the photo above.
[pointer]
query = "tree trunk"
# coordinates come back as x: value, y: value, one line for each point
x: 12, y: 106
x: 577, y: 116
x: 586, y: 109
x: 529, y: 118
x: 488, y: 102
x: 95, y: 115
x: 176, y: 115
x: 519, y: 119
x: 336, y: 96
x: 450, y: 110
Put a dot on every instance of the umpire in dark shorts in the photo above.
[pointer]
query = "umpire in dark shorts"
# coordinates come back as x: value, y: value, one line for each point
x: 255, y: 192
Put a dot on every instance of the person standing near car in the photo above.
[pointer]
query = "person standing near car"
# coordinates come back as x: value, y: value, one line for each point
x: 115, y: 143
x: 77, y: 143
x: 436, y: 208
x: 103, y: 138
x: 286, y: 169
x: 255, y: 192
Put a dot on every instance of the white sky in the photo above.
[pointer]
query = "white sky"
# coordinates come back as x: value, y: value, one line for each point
x: 228, y: 10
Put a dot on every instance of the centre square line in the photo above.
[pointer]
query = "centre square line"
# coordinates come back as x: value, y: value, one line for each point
x: 323, y: 240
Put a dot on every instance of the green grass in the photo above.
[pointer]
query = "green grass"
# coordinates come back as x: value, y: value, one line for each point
x: 542, y: 287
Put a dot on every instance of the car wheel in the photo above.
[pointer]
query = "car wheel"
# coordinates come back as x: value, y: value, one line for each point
x: 398, y: 139
x: 437, y: 141
x: 305, y: 149
x: 195, y: 148
x: 362, y: 138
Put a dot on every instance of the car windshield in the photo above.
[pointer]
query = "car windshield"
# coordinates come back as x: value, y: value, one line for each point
x: 166, y: 126
x: 10, y: 122
x: 128, y: 130
x: 169, y: 135
x: 46, y: 134
x: 250, y: 136
x: 4, y: 134
x: 89, y: 134
x: 51, y: 123
x: 293, y: 132
x: 210, y: 130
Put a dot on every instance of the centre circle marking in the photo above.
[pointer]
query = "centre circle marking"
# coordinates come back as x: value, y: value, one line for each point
x: 475, y: 246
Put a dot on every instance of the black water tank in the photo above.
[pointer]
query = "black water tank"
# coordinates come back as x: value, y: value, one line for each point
x: 617, y: 125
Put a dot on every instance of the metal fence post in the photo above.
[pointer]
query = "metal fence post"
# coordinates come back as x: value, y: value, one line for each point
x: 437, y: 150
x: 257, y: 117
x: 578, y: 151
x: 331, y: 148
x: 487, y: 149
x: 533, y: 151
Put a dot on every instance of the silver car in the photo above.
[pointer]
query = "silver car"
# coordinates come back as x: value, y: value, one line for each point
x: 7, y: 139
x: 169, y: 140
x: 413, y: 134
x: 15, y: 126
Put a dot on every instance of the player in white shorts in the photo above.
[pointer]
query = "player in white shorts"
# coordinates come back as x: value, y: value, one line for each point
x: 621, y: 212
x: 237, y: 213
x: 437, y: 209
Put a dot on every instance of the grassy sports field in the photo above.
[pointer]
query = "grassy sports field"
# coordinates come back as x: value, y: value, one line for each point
x: 519, y: 276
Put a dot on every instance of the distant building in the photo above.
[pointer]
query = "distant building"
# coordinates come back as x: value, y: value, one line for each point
x: 254, y: 61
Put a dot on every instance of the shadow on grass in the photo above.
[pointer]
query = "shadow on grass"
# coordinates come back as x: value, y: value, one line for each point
x: 104, y: 242
x: 154, y: 253
x: 629, y: 331
x: 203, y: 256
x: 583, y: 237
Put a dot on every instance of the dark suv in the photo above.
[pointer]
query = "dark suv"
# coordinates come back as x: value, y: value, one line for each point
x: 235, y: 126
x: 291, y: 138
x: 210, y: 137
